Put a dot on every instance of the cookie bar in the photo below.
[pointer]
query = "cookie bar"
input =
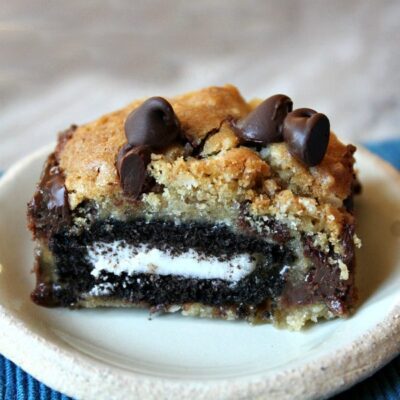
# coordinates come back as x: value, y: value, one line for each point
x: 204, y: 204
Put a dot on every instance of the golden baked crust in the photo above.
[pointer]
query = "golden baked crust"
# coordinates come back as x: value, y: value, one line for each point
x: 223, y: 175
x: 203, y: 111
x: 89, y: 157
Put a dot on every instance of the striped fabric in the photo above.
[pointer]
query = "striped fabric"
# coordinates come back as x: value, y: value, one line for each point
x: 15, y: 384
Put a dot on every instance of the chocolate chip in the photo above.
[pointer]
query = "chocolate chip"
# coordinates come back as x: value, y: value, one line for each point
x: 131, y: 165
x: 264, y: 124
x: 154, y: 124
x: 306, y: 133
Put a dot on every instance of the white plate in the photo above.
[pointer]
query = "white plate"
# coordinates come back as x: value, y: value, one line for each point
x: 121, y: 354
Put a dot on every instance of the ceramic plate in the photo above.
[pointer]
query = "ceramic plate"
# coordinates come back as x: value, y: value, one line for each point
x: 120, y: 354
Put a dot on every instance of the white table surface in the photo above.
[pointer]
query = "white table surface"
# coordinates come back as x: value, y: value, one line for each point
x: 64, y: 62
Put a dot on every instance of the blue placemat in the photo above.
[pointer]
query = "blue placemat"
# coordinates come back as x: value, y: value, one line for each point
x: 15, y: 384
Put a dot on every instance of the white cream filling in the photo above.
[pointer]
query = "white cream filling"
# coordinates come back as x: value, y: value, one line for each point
x: 118, y: 257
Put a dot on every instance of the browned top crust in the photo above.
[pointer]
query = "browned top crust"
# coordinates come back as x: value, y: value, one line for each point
x: 221, y: 177
x: 89, y: 157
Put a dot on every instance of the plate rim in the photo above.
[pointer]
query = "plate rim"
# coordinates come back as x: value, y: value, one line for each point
x: 16, y: 340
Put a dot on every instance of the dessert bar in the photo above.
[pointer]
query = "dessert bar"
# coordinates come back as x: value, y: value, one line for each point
x: 203, y: 204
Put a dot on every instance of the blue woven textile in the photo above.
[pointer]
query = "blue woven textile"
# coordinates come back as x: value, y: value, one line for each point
x: 389, y: 150
x: 15, y: 384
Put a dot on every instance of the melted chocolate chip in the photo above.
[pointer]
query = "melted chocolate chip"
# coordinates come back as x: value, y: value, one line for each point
x: 306, y: 133
x: 49, y: 208
x: 322, y: 282
x: 264, y: 124
x: 154, y: 124
x: 131, y: 165
x: 57, y: 193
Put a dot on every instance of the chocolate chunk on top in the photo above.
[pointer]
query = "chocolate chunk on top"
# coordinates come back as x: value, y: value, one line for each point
x: 306, y: 133
x: 131, y: 165
x: 154, y: 124
x: 264, y: 124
